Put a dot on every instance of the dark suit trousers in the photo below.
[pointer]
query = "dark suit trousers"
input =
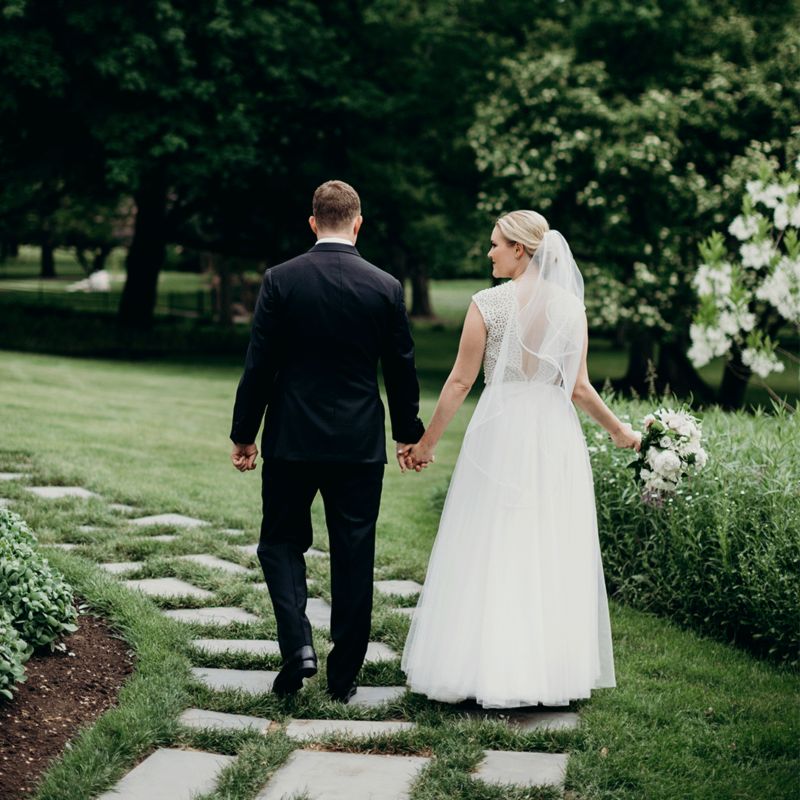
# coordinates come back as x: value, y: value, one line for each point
x: 351, y: 495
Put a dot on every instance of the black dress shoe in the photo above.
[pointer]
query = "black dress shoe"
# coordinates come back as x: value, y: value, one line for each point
x: 342, y: 696
x: 302, y: 664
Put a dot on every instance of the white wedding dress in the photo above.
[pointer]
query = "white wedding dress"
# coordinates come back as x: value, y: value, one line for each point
x: 514, y: 609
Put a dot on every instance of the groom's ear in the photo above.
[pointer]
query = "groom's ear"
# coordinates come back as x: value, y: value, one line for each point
x: 357, y: 224
x: 313, y: 224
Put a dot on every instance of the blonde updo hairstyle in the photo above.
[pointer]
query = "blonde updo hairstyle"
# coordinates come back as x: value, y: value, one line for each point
x: 524, y: 227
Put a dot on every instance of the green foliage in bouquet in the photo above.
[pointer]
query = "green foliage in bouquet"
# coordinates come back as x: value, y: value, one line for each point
x: 13, y: 654
x: 37, y: 597
x: 721, y: 554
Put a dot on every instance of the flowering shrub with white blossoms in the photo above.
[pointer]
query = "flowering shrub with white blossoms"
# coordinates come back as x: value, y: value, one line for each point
x: 671, y: 448
x: 744, y: 298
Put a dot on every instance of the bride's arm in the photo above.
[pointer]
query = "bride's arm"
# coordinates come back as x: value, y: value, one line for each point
x: 457, y: 386
x: 587, y: 399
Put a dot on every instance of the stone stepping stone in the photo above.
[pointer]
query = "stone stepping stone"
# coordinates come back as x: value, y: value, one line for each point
x: 232, y: 531
x: 398, y: 588
x: 161, y: 537
x: 256, y: 647
x: 89, y: 528
x: 217, y: 615
x: 200, y: 718
x: 168, y: 587
x: 261, y: 586
x: 13, y: 476
x: 252, y: 681
x: 122, y: 507
x: 312, y: 552
x: 374, y: 696
x: 318, y: 613
x: 62, y: 545
x: 529, y: 720
x: 4, y: 502
x: 502, y: 768
x: 247, y: 549
x: 378, y: 652
x: 171, y: 775
x: 305, y: 729
x: 115, y: 568
x: 406, y: 612
x: 216, y: 563
x: 176, y: 520
x: 57, y: 492
x: 344, y: 776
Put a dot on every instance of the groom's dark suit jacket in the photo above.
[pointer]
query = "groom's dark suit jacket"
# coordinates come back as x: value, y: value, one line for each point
x: 322, y: 323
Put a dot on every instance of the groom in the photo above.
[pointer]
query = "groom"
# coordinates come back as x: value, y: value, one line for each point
x: 322, y: 323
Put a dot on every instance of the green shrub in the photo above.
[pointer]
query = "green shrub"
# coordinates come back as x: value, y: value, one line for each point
x: 13, y: 654
x: 723, y: 554
x: 15, y: 529
x: 37, y: 597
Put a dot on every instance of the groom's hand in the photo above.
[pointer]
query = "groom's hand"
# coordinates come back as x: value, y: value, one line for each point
x: 401, y: 451
x: 243, y: 456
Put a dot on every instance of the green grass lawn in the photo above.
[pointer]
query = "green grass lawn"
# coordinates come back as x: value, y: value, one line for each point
x: 690, y: 718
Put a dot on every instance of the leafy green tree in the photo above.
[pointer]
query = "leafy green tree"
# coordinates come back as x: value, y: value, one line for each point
x: 629, y: 164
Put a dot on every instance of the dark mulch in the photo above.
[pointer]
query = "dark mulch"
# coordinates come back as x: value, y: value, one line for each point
x: 63, y: 693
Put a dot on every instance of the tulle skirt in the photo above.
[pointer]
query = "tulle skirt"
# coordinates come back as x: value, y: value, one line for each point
x: 514, y: 610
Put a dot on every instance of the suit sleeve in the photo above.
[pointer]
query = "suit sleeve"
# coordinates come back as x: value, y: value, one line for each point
x: 260, y: 369
x: 400, y: 376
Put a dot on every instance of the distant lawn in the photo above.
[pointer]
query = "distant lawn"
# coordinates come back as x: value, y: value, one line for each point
x: 437, y: 341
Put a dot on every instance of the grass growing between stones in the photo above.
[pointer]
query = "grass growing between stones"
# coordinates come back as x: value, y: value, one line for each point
x: 690, y: 718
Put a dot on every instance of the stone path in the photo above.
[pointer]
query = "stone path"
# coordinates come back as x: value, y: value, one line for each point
x: 375, y: 696
x: 306, y: 729
x: 177, y: 774
x: 216, y: 563
x: 199, y: 719
x: 175, y: 520
x: 344, y: 776
x: 256, y: 647
x: 170, y: 775
x: 13, y: 476
x: 119, y: 567
x: 318, y: 613
x: 217, y: 615
x: 522, y: 769
x: 252, y: 681
x: 57, y: 492
x: 398, y: 588
x: 168, y: 587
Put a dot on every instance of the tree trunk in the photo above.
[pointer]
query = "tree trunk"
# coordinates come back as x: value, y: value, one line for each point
x: 222, y: 269
x: 420, y: 292
x: 100, y: 256
x: 145, y: 256
x: 640, y: 352
x: 734, y: 381
x: 48, y: 261
x: 676, y: 372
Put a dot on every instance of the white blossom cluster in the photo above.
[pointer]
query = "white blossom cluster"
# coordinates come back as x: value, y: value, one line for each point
x: 671, y: 448
x: 767, y: 269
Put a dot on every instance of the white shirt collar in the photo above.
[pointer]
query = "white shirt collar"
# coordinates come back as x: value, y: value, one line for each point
x: 334, y: 240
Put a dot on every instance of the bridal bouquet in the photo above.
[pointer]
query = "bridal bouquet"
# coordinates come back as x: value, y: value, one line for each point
x: 670, y: 449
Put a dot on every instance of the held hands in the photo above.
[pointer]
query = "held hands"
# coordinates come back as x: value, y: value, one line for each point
x: 626, y: 436
x: 414, y: 456
x: 243, y: 456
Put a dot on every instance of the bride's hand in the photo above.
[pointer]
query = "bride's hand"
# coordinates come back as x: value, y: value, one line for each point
x: 626, y: 436
x: 420, y: 455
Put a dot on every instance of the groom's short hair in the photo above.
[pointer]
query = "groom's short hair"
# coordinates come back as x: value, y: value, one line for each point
x: 335, y: 205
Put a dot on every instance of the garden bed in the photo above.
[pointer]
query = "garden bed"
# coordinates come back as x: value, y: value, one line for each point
x: 64, y: 692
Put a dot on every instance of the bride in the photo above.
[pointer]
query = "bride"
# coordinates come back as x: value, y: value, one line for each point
x: 514, y: 610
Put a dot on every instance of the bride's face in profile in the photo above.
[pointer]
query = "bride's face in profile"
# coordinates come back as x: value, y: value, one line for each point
x: 506, y: 257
